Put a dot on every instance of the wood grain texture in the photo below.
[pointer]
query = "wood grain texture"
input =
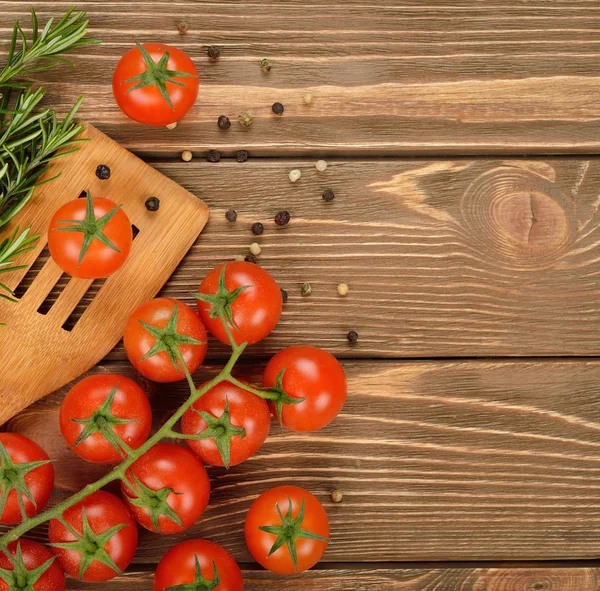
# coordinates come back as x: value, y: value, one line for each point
x: 436, y: 460
x: 36, y: 338
x: 394, y: 77
x: 443, y: 258
x: 396, y: 579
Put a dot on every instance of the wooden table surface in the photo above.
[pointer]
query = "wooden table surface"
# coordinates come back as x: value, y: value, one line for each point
x: 462, y: 140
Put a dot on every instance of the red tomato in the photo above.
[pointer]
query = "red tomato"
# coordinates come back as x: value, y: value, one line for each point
x: 140, y: 342
x: 155, y: 84
x: 108, y: 538
x: 29, y: 556
x: 18, y: 472
x: 100, y: 258
x: 105, y: 405
x: 312, y: 374
x: 246, y: 411
x: 178, y: 567
x: 256, y: 310
x: 173, y: 482
x: 305, y: 529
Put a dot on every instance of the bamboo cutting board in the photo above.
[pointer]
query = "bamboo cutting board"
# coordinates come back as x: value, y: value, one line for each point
x: 39, y: 350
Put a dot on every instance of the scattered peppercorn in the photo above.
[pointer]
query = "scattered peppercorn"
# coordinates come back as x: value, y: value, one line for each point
x: 250, y: 258
x: 352, y: 336
x: 255, y: 249
x: 284, y: 295
x: 214, y: 52
x: 242, y: 156
x: 321, y: 165
x: 328, y: 195
x: 152, y: 203
x: 343, y: 289
x: 266, y: 65
x: 257, y: 228
x: 183, y: 27
x: 337, y: 496
x: 103, y: 172
x: 282, y: 218
x: 223, y: 122
x: 295, y: 175
x: 277, y: 108
x: 238, y: 257
x: 308, y: 98
x: 231, y: 215
x: 186, y: 155
x: 213, y: 156
x: 171, y: 125
x: 306, y: 289
x: 245, y: 120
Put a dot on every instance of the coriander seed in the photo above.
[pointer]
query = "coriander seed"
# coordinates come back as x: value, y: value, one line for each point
x: 308, y: 98
x: 103, y: 172
x: 245, y: 120
x: 213, y: 156
x: 257, y: 228
x: 321, y: 165
x: 223, y: 122
x: 306, y: 289
x: 152, y: 203
x: 284, y: 295
x: 352, y: 336
x: 337, y: 496
x: 277, y: 108
x: 213, y: 52
x: 171, y: 125
x: 183, y: 27
x: 266, y: 65
x: 242, y: 156
x: 295, y: 175
x: 250, y: 258
x: 282, y: 218
x: 231, y: 215
x: 255, y: 249
x: 186, y: 155
x: 343, y: 289
x: 328, y: 195
x: 238, y: 258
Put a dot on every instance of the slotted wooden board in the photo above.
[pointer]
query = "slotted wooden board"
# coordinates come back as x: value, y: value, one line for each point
x: 38, y: 342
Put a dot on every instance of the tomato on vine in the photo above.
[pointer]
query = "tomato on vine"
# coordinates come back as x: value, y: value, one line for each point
x: 90, y: 238
x: 26, y: 478
x: 198, y: 564
x: 240, y: 298
x: 158, y: 333
x: 96, y: 539
x: 167, y: 489
x: 226, y: 425
x: 287, y: 530
x: 104, y: 416
x: 155, y: 84
x: 314, y: 378
x: 30, y: 566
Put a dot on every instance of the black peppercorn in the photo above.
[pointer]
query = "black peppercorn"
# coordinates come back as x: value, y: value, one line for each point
x: 213, y: 52
x: 328, y: 195
x: 242, y: 156
x: 223, y: 122
x: 231, y: 215
x: 352, y: 336
x: 250, y: 258
x: 213, y: 156
x: 152, y: 203
x: 284, y: 295
x: 277, y: 108
x: 102, y: 172
x: 257, y: 229
x: 282, y: 218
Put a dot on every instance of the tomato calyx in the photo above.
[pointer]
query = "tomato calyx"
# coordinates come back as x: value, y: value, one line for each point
x: 222, y: 300
x: 200, y: 583
x: 290, y: 531
x: 91, y: 228
x: 12, y: 477
x: 168, y: 339
x: 154, y: 501
x: 157, y: 75
x: 221, y: 430
x: 278, y: 396
x: 102, y: 421
x: 90, y: 545
x: 19, y: 578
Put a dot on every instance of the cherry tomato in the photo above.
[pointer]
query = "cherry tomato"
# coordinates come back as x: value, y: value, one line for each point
x: 172, y: 484
x: 256, y: 310
x: 107, y: 538
x: 73, y: 225
x: 313, y: 374
x: 111, y: 409
x: 155, y: 84
x: 20, y: 479
x: 29, y: 556
x: 161, y: 313
x: 178, y: 567
x: 304, y: 527
x: 240, y: 435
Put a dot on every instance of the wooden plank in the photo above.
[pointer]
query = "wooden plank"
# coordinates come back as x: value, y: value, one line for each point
x: 436, y: 460
x: 387, y: 78
x: 396, y: 579
x: 443, y: 258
